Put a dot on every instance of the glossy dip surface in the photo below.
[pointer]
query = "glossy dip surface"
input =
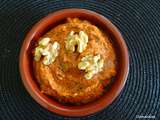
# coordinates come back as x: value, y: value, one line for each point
x: 62, y: 79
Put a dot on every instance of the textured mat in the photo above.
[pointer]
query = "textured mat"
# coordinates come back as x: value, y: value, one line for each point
x: 139, y: 23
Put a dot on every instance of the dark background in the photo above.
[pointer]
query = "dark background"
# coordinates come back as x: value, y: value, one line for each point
x: 139, y: 23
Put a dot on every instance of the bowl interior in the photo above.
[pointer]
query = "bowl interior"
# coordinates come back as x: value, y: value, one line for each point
x: 44, y: 26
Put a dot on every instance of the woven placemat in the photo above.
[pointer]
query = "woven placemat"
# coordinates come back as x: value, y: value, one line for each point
x: 139, y: 23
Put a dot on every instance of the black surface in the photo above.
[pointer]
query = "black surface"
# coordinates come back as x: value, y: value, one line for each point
x: 139, y: 23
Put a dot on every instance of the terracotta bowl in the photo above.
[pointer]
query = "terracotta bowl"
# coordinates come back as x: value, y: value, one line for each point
x: 40, y: 29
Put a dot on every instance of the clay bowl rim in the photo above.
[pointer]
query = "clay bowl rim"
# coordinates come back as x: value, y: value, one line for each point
x: 52, y: 105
